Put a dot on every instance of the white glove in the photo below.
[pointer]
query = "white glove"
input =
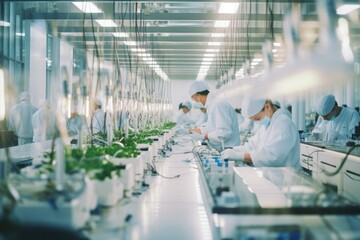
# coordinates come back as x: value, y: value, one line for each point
x: 232, y: 154
x: 196, y: 137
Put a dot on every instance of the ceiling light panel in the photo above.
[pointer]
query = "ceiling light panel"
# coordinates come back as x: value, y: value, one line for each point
x: 222, y: 24
x: 87, y: 7
x: 347, y: 8
x: 106, y: 23
x: 220, y: 35
x: 228, y: 8
x: 130, y: 43
x: 214, y: 43
x: 120, y: 34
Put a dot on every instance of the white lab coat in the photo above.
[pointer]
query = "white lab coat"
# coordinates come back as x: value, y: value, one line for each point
x: 74, y: 125
x: 98, y: 121
x: 344, y: 124
x: 184, y: 119
x: 201, y: 119
x: 277, y: 145
x: 222, y: 123
x: 44, y: 125
x: 20, y: 121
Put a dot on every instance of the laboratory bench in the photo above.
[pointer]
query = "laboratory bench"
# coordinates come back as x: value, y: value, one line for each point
x: 245, y: 202
x: 165, y: 206
x: 321, y: 161
x: 190, y: 193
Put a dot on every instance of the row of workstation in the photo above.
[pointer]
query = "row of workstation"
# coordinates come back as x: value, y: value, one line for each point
x: 244, y: 202
x: 166, y: 203
x: 193, y: 194
x: 331, y: 165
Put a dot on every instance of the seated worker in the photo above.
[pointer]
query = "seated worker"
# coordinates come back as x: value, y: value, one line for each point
x: 184, y: 118
x: 275, y: 144
x: 340, y: 121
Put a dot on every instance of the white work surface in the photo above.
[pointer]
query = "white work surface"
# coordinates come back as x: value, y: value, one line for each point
x: 169, y: 209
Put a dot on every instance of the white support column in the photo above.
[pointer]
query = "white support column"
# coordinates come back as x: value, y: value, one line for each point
x: 301, y: 113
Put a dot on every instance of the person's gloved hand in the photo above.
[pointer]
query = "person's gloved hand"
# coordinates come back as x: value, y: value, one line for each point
x: 232, y: 154
x: 196, y: 137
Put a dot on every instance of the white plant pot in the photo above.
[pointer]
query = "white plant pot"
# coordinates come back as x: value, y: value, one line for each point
x: 127, y: 176
x: 107, y: 191
x: 137, y: 162
x: 90, y: 192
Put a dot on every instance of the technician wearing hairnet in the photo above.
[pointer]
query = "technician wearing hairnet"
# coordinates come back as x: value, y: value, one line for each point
x: 184, y: 117
x: 98, y: 120
x: 43, y: 122
x: 275, y: 144
x: 222, y: 125
x: 20, y: 119
x: 340, y: 121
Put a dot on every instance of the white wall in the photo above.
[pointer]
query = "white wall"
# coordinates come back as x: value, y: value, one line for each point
x: 37, y: 63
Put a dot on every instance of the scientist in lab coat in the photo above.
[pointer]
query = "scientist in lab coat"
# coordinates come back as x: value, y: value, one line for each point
x: 203, y: 117
x: 20, y: 119
x: 222, y: 129
x: 184, y: 118
x: 340, y: 122
x: 98, y: 119
x: 275, y: 144
x: 44, y: 123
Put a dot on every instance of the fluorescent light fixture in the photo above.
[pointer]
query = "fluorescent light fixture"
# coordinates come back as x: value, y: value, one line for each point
x: 4, y: 24
x: 143, y: 54
x: 274, y: 50
x: 206, y: 63
x: 277, y: 44
x: 19, y: 34
x: 209, y: 55
x: 147, y: 59
x: 228, y: 7
x: 214, y: 43
x: 207, y: 59
x: 87, y: 7
x: 347, y: 8
x: 222, y: 23
x: 218, y: 35
x: 106, y: 23
x: 137, y: 49
x: 212, y: 50
x: 120, y: 34
x: 254, y: 63
x: 257, y: 59
x: 203, y: 67
x: 130, y: 43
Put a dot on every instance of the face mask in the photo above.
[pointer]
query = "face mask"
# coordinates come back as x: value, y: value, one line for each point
x: 265, y: 121
x: 198, y: 105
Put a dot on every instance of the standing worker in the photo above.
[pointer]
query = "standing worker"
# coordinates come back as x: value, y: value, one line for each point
x: 184, y: 118
x: 20, y: 119
x: 222, y: 130
x: 98, y: 120
x: 44, y: 123
x: 275, y: 144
